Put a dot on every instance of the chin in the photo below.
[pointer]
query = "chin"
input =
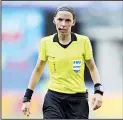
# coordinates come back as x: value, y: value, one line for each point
x: 63, y: 33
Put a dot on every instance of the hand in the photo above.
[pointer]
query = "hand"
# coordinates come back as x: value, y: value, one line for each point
x: 26, y: 108
x: 97, y: 101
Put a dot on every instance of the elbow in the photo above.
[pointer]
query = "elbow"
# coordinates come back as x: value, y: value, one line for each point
x: 92, y: 68
x: 38, y: 70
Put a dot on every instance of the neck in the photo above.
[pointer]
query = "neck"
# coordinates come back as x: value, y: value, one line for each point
x: 64, y: 39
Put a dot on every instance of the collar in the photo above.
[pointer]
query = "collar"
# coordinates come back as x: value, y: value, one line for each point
x: 73, y: 37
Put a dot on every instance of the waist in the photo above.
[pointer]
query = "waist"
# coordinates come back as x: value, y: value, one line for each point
x: 78, y: 94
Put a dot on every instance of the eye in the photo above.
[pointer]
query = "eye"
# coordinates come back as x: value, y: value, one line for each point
x: 60, y: 19
x: 68, y: 20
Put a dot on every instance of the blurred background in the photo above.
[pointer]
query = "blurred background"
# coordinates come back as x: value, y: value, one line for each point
x: 25, y: 23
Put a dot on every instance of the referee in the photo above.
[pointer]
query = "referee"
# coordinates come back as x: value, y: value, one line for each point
x: 66, y: 54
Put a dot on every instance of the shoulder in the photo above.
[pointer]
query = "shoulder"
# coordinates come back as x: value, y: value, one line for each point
x: 82, y: 38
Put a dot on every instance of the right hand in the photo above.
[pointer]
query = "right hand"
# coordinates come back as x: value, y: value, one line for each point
x: 26, y: 108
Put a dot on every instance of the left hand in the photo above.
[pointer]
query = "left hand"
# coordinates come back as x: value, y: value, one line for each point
x: 97, y: 101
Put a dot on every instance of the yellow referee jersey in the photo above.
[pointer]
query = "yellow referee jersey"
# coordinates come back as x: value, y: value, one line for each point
x: 66, y: 62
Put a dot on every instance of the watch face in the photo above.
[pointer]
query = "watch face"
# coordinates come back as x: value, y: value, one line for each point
x: 101, y: 88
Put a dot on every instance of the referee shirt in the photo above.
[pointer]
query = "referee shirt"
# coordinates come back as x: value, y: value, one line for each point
x: 66, y: 62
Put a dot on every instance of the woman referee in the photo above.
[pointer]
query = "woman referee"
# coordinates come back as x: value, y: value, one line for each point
x: 66, y: 54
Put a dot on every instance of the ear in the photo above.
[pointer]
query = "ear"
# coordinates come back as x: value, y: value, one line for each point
x: 74, y: 22
x: 54, y: 20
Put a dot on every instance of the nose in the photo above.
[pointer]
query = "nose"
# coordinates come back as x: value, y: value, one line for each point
x: 63, y: 23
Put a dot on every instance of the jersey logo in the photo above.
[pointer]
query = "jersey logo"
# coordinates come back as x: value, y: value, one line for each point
x: 77, y: 65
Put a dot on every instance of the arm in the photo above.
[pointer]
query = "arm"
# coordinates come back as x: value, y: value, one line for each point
x: 93, y: 71
x: 98, y: 92
x: 36, y: 74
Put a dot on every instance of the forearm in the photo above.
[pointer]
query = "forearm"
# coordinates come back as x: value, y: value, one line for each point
x: 36, y: 74
x: 96, y: 80
x: 35, y: 77
x: 95, y: 75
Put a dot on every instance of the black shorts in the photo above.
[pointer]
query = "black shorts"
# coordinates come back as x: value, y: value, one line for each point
x: 65, y: 106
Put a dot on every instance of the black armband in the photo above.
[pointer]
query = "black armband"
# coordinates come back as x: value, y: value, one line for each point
x: 98, y: 88
x: 28, y: 95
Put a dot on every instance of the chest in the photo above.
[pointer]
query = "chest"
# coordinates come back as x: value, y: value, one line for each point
x: 73, y: 55
x: 73, y: 51
x: 70, y: 58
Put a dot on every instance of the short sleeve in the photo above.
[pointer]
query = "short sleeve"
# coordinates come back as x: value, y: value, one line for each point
x: 88, y: 49
x: 42, y: 50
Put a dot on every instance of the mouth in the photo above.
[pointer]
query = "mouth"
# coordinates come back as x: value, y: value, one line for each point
x: 62, y: 30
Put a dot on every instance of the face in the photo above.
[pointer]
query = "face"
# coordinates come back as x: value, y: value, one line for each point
x: 64, y: 21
